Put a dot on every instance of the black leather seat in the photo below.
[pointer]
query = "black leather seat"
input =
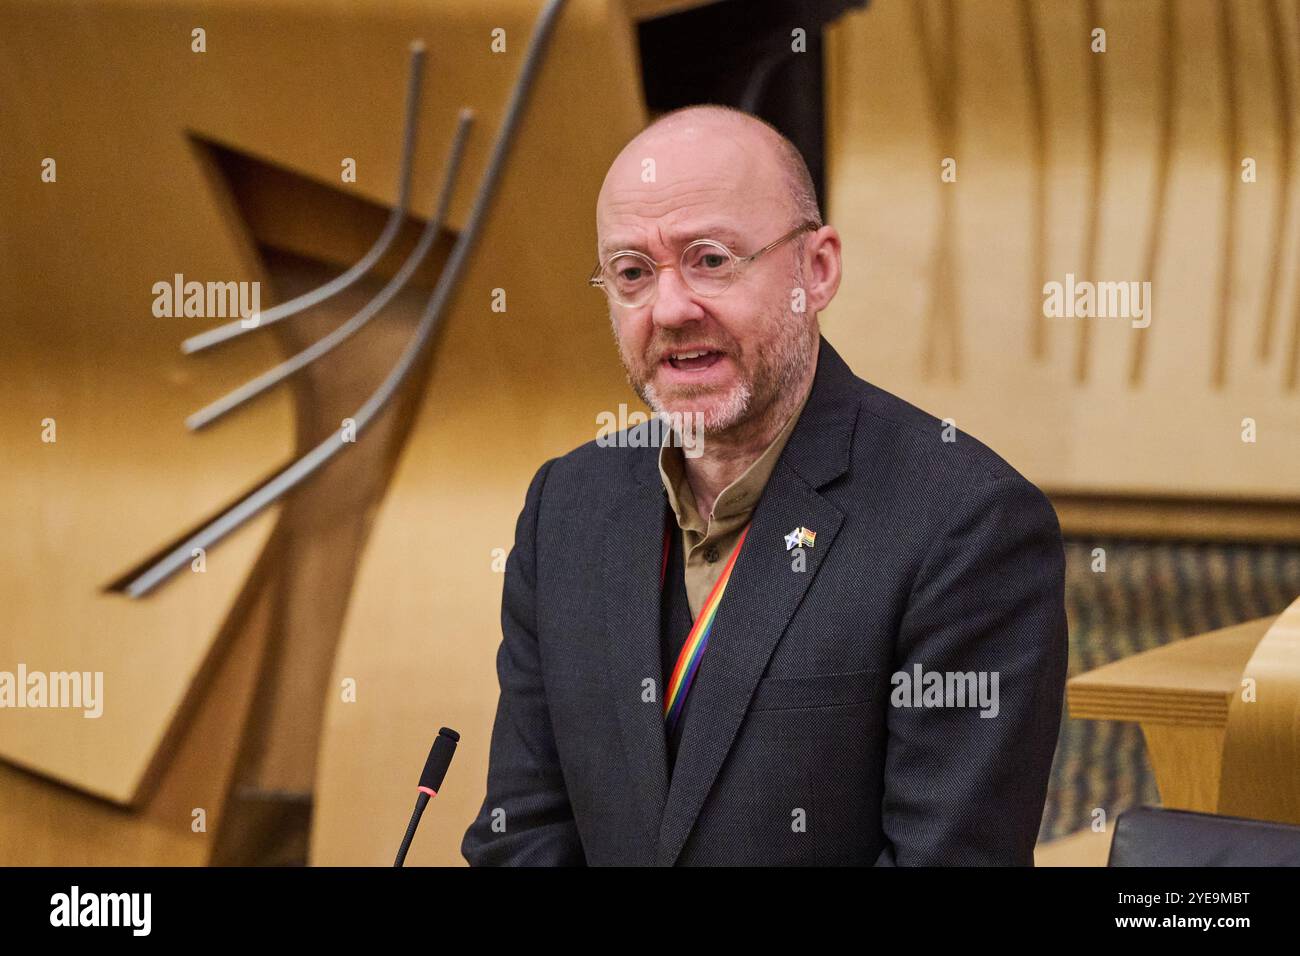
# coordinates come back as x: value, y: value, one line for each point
x: 1152, y: 836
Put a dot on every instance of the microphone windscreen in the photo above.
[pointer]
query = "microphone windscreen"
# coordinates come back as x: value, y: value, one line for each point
x: 435, y: 768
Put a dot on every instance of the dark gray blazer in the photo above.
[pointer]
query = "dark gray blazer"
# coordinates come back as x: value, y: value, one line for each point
x: 797, y: 749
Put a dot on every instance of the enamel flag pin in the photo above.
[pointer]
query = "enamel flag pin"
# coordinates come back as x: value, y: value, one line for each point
x: 800, y: 537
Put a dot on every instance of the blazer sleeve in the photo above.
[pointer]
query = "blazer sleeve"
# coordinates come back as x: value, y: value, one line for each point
x: 961, y: 788
x: 526, y: 819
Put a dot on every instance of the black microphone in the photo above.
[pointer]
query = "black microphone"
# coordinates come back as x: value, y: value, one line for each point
x: 435, y: 768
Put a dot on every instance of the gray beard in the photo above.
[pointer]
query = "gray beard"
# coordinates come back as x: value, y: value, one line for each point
x: 783, y: 363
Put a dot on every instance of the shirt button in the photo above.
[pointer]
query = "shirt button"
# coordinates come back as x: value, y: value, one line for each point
x: 711, y: 555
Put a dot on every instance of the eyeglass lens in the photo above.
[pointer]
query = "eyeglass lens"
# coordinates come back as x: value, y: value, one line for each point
x: 706, y: 267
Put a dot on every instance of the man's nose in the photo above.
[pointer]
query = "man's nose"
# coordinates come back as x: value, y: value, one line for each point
x: 675, y: 304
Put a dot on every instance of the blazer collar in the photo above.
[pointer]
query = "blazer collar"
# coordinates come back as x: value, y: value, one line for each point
x: 819, y: 447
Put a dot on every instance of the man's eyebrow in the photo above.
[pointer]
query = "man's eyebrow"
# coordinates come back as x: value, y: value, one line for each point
x: 727, y: 235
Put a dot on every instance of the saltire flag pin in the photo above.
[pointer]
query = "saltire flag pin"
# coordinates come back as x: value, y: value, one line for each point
x: 800, y: 537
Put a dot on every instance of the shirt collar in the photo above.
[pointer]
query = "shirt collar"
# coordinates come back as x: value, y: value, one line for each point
x: 739, y: 497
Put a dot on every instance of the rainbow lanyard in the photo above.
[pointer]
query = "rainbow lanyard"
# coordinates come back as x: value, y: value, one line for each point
x: 688, y: 660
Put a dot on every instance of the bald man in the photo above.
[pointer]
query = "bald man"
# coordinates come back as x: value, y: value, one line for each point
x: 803, y: 621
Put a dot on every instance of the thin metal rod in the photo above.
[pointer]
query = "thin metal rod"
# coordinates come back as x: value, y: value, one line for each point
x: 251, y: 389
x: 284, y: 310
x: 255, y: 501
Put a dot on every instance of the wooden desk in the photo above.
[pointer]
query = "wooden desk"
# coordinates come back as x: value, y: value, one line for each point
x: 1214, y: 747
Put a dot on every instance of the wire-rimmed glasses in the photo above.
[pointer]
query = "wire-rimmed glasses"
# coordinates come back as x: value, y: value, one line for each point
x: 708, y: 268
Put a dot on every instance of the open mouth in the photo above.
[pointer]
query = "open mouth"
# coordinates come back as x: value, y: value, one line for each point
x: 694, y: 360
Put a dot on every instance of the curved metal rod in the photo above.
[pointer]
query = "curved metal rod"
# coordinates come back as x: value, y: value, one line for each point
x: 264, y: 495
x: 251, y: 389
x: 260, y: 320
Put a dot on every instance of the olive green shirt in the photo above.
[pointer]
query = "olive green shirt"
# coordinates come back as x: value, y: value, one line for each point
x: 707, y: 545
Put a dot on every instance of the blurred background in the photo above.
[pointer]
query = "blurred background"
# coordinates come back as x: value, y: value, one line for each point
x: 270, y: 689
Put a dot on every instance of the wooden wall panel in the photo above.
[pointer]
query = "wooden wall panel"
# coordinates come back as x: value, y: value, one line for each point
x: 1061, y: 155
x: 115, y: 93
x: 85, y: 85
x: 506, y: 392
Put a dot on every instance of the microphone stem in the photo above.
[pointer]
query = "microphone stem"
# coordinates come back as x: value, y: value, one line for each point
x: 420, y: 802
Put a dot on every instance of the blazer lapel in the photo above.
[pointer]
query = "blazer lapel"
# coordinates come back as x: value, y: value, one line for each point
x: 761, y: 598
x: 633, y: 552
x: 763, y: 594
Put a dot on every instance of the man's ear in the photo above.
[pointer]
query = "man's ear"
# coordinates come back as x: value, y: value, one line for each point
x: 822, y: 267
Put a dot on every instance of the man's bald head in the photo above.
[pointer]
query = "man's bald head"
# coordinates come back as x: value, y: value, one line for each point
x: 725, y: 120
